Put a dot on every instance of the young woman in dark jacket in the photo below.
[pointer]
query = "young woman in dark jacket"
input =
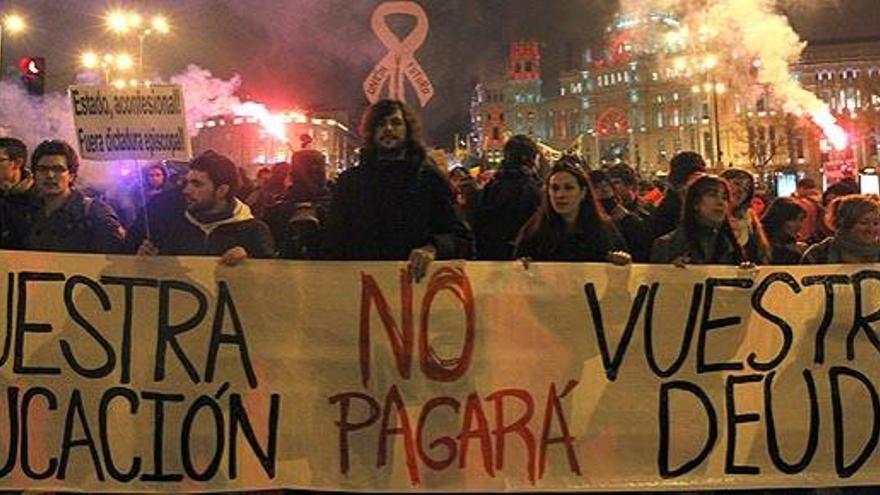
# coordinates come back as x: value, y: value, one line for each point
x: 704, y: 235
x: 569, y: 225
x: 745, y: 222
x: 782, y: 222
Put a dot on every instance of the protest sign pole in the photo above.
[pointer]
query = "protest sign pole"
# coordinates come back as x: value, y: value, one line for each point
x: 143, y: 193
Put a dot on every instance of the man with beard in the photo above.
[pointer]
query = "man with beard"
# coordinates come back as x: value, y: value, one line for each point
x: 212, y: 221
x: 395, y: 205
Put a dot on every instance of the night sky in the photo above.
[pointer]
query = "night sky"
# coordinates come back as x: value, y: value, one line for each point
x: 316, y: 53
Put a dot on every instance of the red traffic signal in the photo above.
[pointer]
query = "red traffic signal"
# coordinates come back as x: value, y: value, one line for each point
x: 32, y: 66
x: 33, y: 74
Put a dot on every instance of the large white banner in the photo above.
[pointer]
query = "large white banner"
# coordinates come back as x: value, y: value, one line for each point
x: 133, y: 123
x: 180, y: 375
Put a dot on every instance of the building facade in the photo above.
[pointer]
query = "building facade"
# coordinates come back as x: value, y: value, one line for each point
x: 249, y: 143
x: 635, y: 100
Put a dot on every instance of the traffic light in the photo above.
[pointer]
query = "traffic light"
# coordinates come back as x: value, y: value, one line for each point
x: 33, y: 74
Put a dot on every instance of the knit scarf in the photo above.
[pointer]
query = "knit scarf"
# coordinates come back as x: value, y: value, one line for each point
x: 846, y: 250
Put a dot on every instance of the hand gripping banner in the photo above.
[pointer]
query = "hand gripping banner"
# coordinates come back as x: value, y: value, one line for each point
x: 400, y: 63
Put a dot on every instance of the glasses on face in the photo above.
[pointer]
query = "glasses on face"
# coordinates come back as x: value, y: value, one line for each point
x: 47, y: 169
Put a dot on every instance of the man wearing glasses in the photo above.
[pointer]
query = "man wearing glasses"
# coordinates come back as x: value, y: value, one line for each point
x: 14, y: 179
x: 15, y: 190
x: 60, y: 218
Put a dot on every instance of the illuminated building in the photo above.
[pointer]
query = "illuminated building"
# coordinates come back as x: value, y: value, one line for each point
x: 249, y: 143
x: 643, y: 96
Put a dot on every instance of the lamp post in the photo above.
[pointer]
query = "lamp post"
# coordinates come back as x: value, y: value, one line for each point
x: 14, y: 24
x: 712, y: 89
x: 107, y: 63
x: 124, y: 22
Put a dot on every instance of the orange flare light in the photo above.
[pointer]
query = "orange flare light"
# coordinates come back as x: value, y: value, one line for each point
x: 273, y: 124
x: 835, y: 134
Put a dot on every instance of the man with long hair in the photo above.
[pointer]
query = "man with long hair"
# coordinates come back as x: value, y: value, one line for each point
x: 395, y: 205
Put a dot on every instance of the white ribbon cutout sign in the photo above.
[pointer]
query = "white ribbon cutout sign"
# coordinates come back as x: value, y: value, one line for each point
x: 400, y: 62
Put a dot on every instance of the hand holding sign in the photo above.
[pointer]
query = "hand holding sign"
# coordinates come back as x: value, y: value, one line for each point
x: 400, y: 62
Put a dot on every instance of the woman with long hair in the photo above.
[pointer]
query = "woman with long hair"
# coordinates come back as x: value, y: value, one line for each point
x: 782, y: 222
x: 570, y: 225
x: 704, y: 235
x: 745, y: 222
x: 856, y: 223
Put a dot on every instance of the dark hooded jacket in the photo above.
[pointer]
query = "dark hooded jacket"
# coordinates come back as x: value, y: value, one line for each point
x: 506, y: 204
x: 383, y: 209
x: 175, y: 231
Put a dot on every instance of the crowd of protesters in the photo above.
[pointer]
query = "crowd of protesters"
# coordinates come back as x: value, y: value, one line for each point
x: 399, y: 203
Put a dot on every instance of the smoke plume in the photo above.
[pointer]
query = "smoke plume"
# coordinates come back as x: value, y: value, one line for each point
x: 750, y: 37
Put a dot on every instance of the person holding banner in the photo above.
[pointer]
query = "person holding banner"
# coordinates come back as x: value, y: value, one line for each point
x: 856, y: 223
x: 782, y: 222
x: 570, y: 225
x: 213, y: 223
x: 395, y: 205
x: 682, y: 169
x: 60, y: 218
x: 744, y: 220
x: 704, y: 235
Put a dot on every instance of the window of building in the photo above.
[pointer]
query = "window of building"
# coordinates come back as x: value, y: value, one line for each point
x: 676, y: 117
x: 655, y: 76
x: 528, y: 66
x: 674, y: 96
x: 853, y: 98
x: 659, y: 119
x: 496, y: 134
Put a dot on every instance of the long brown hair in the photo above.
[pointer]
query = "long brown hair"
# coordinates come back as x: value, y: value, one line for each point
x: 373, y: 117
x: 548, y: 227
x: 690, y: 219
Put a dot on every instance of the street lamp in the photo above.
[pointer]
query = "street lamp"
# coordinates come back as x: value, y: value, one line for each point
x: 123, y: 22
x: 107, y: 62
x: 712, y: 89
x: 14, y: 24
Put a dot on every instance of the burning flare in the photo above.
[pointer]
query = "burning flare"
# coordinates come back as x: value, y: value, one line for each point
x: 748, y: 30
x: 274, y: 124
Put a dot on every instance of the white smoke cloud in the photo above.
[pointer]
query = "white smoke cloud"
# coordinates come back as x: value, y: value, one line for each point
x: 35, y: 119
x: 749, y: 34
x: 205, y: 95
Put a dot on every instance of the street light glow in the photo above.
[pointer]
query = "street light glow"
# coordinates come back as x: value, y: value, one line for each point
x: 160, y: 24
x: 680, y: 64
x: 118, y: 21
x: 124, y: 61
x: 711, y: 61
x: 90, y: 60
x: 135, y: 20
x: 720, y: 88
x: 14, y: 23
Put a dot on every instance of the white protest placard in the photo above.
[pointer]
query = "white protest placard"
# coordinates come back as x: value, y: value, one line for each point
x: 139, y: 123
